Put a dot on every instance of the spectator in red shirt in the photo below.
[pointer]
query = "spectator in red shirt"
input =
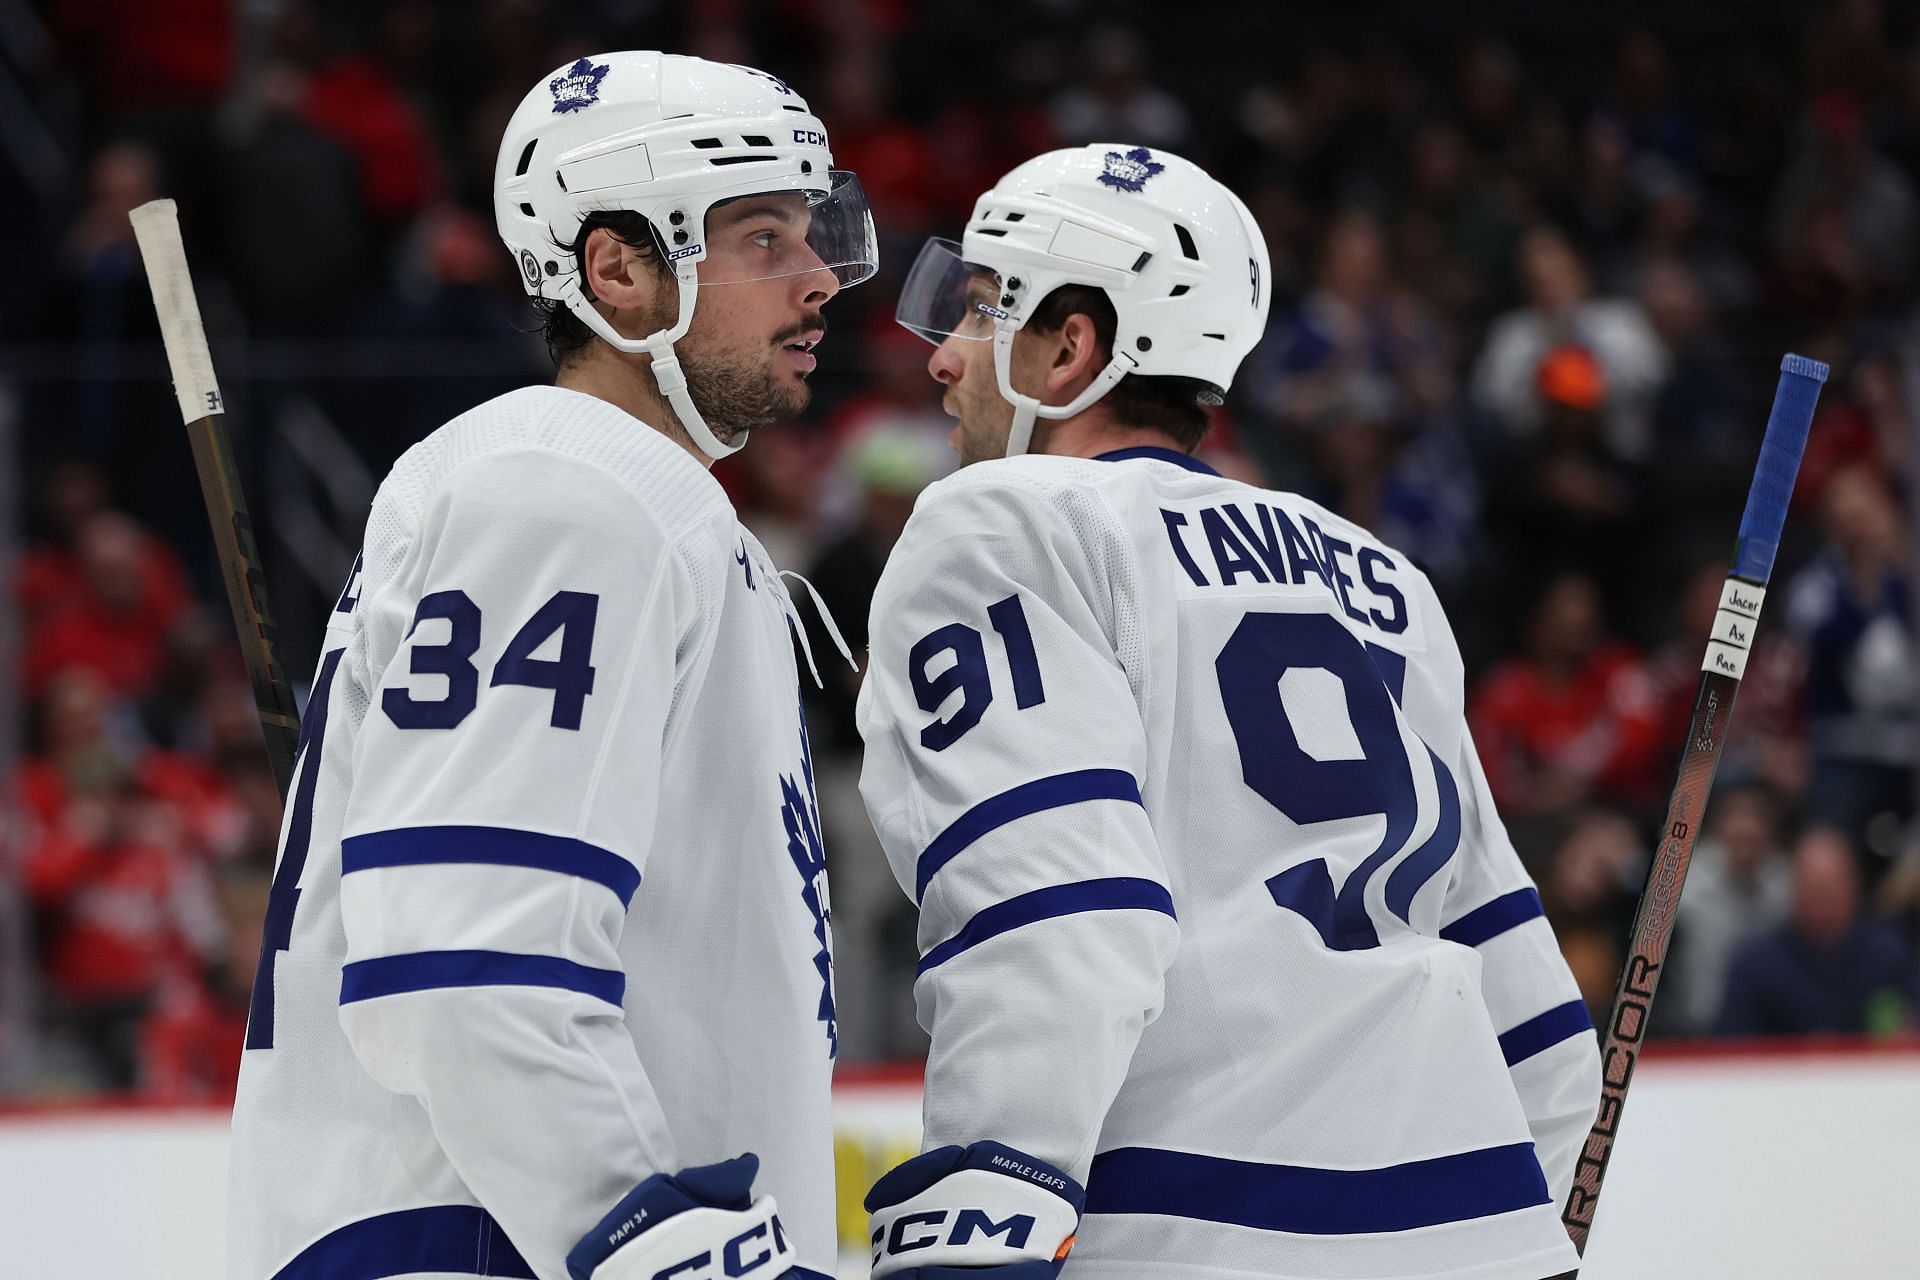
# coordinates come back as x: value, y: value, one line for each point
x: 127, y: 593
x: 132, y: 57
x: 1865, y: 422
x: 1574, y: 717
x: 220, y: 800
x: 76, y: 740
x: 355, y: 100
x: 120, y: 911
x: 50, y: 576
x: 190, y: 1043
x: 120, y: 843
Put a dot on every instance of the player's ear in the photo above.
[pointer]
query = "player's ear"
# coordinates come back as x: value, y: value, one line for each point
x: 602, y: 267
x: 625, y: 277
x: 1077, y: 359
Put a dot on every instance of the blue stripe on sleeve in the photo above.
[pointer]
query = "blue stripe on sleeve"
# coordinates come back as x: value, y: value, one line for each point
x: 1309, y: 1201
x: 1119, y: 893
x: 449, y: 1239
x: 1484, y: 923
x: 1028, y: 798
x: 1536, y: 1035
x: 430, y: 970
x: 493, y: 846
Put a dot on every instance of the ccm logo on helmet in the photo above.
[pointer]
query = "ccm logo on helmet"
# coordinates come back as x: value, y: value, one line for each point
x: 924, y: 1230
x: 810, y: 137
x: 741, y: 1256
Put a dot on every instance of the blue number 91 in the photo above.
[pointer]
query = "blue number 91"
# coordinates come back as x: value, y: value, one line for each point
x: 1262, y: 649
x: 969, y: 674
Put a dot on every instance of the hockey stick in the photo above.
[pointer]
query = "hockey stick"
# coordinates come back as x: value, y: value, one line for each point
x: 156, y: 225
x: 1721, y: 669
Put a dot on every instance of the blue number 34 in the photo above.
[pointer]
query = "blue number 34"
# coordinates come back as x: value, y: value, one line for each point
x: 569, y: 676
x: 1262, y: 649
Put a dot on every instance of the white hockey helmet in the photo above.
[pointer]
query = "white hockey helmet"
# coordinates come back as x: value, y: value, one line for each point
x: 667, y: 137
x: 1178, y: 254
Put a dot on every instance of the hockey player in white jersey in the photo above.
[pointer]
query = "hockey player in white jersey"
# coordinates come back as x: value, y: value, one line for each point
x: 547, y: 948
x: 1226, y: 958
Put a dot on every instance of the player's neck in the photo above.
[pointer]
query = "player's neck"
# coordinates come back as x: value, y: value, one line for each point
x: 1092, y: 433
x: 626, y: 383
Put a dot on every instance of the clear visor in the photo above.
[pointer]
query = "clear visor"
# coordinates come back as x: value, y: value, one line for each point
x: 947, y: 297
x: 764, y: 235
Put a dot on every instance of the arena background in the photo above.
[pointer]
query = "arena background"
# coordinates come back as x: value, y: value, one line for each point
x: 1535, y: 267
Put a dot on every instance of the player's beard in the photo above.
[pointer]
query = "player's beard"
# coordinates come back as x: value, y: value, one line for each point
x: 735, y: 393
x: 732, y: 392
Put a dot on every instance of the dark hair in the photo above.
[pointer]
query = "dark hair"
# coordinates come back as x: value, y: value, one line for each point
x: 567, y: 337
x: 1172, y: 405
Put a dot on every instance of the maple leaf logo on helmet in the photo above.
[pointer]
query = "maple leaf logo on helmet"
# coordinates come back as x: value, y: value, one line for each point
x: 1129, y: 170
x: 577, y: 87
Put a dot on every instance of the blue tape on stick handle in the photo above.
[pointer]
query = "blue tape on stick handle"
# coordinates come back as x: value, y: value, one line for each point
x: 1773, y: 475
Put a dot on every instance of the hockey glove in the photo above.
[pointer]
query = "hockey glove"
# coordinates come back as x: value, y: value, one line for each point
x: 984, y: 1212
x: 698, y: 1223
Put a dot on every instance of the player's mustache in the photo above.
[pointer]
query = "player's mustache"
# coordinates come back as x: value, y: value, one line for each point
x: 812, y: 323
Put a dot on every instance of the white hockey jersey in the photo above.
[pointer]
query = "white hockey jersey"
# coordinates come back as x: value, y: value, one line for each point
x: 1216, y: 912
x: 550, y: 913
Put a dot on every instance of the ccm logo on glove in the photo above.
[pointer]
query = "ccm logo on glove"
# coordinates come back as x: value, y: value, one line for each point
x: 922, y: 1230
x: 740, y: 1256
x: 699, y: 1224
x: 985, y: 1206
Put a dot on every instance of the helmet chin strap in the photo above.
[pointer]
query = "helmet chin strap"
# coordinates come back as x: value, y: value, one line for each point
x: 672, y: 380
x: 1026, y: 408
x: 667, y: 373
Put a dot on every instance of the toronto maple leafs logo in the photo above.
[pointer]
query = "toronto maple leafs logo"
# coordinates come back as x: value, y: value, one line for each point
x: 800, y: 812
x: 1129, y: 170
x: 577, y: 87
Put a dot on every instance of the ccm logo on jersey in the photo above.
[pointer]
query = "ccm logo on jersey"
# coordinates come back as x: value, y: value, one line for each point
x: 928, y: 1228
x: 743, y: 1255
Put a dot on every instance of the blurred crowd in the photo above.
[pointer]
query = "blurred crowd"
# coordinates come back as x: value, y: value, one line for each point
x: 1531, y: 294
